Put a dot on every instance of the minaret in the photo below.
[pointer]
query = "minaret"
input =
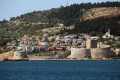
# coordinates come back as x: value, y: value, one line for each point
x: 109, y: 31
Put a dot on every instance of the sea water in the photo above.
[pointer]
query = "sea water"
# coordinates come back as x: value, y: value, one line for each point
x: 60, y: 70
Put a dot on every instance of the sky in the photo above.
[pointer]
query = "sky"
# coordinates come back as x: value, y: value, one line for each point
x: 13, y: 8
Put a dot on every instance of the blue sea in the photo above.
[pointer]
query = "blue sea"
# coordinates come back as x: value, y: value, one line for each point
x: 60, y: 70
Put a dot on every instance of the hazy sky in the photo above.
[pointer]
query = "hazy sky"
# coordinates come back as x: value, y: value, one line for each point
x: 13, y: 8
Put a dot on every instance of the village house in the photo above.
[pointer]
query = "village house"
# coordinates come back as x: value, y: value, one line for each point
x: 86, y: 36
x: 117, y: 38
x: 25, y: 48
x: 39, y: 48
x: 77, y: 41
x: 11, y: 45
x: 44, y: 38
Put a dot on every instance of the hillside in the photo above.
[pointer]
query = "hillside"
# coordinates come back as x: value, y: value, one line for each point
x: 9, y: 54
x: 33, y: 23
x: 101, y: 12
x: 98, y: 26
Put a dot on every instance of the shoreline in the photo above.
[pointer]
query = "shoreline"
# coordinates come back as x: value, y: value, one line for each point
x: 57, y: 59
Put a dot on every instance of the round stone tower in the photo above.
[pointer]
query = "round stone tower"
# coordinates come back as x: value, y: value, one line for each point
x: 19, y: 55
x: 80, y: 53
x: 100, y: 52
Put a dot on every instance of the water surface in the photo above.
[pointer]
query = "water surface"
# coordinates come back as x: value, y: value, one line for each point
x: 60, y: 70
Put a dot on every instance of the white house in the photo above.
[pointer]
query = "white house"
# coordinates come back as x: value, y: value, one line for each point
x: 25, y: 48
x: 117, y: 38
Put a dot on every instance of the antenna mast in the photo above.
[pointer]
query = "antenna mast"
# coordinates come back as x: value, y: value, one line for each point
x: 67, y: 3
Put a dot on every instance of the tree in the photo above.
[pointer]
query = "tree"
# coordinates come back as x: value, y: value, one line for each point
x: 63, y: 48
x: 93, y: 33
x: 112, y: 54
x: 53, y: 39
x: 118, y: 54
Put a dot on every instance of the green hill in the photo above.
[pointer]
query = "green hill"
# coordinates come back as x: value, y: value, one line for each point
x: 29, y: 23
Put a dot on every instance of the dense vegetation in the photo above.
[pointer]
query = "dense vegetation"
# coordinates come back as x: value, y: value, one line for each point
x: 68, y: 15
x: 98, y: 26
x: 31, y: 22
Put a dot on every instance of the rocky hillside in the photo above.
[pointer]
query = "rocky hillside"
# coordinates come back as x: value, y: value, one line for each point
x: 101, y: 12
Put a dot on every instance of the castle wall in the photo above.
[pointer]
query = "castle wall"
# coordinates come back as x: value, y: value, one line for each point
x: 64, y: 55
x: 100, y: 52
x: 20, y: 55
x: 79, y: 53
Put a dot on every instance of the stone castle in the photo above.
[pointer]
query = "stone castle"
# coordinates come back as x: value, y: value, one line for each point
x: 92, y: 50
